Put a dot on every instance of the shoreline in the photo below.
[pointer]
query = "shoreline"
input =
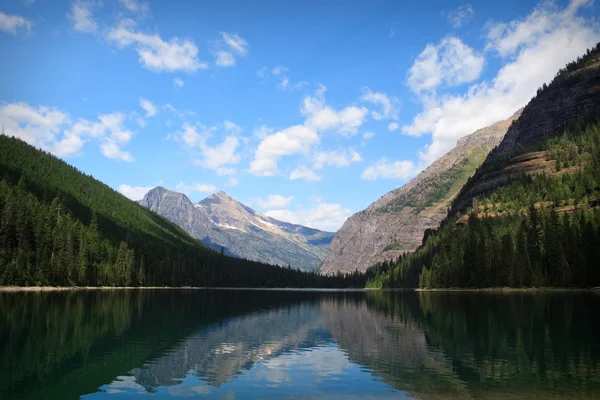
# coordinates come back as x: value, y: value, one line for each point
x: 485, y: 290
x: 91, y: 288
x: 508, y: 289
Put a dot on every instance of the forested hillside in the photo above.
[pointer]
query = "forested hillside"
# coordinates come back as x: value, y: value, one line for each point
x: 61, y: 227
x: 530, y: 215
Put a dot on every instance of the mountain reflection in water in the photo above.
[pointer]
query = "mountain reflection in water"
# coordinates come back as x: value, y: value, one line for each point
x: 273, y: 344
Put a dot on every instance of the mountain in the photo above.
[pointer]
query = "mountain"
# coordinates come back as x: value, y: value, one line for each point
x: 395, y: 223
x: 61, y: 227
x: 220, y: 220
x: 530, y: 215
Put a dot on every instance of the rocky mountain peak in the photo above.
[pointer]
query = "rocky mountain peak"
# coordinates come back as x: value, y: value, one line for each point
x: 221, y: 220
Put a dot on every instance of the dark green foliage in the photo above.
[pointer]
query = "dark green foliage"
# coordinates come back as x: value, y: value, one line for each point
x: 547, y: 232
x: 61, y: 227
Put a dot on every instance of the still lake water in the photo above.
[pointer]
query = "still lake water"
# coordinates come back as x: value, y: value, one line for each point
x: 220, y: 344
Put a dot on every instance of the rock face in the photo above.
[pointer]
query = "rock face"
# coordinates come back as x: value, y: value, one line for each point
x: 220, y: 220
x: 571, y: 97
x: 395, y: 223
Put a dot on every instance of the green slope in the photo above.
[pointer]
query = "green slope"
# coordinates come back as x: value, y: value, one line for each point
x: 529, y: 216
x: 61, y: 227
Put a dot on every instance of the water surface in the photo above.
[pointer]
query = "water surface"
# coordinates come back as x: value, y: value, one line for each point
x: 168, y: 344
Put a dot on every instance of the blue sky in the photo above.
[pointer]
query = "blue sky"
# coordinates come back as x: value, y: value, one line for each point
x: 307, y: 111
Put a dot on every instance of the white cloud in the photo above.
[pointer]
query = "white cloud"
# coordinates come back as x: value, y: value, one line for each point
x: 324, y: 216
x: 134, y: 192
x: 37, y: 126
x: 218, y: 158
x: 305, y: 173
x: 178, y: 82
x: 299, y: 139
x: 232, y: 127
x: 390, y: 170
x: 155, y: 53
x: 451, y: 62
x: 81, y: 15
x: 279, y: 69
x: 335, y: 158
x: 275, y: 201
x: 387, y: 103
x: 263, y: 72
x: 136, y: 6
x: 12, y: 23
x: 279, y: 72
x: 262, y: 132
x: 232, y: 181
x: 534, y: 49
x: 112, y: 150
x: 393, y: 126
x: 148, y: 107
x: 293, y: 140
x: 195, y: 188
x: 53, y: 131
x: 235, y: 43
x: 226, y: 45
x: 368, y: 135
x: 321, y: 117
x: 224, y: 59
x: 461, y: 15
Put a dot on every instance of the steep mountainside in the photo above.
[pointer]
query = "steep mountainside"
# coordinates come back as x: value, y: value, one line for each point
x: 220, y: 220
x: 61, y: 227
x: 530, y: 215
x: 396, y: 222
x: 572, y: 96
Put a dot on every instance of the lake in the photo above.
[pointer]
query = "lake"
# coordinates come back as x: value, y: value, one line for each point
x: 236, y: 344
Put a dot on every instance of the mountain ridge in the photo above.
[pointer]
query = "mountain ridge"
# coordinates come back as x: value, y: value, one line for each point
x: 220, y: 220
x: 399, y: 218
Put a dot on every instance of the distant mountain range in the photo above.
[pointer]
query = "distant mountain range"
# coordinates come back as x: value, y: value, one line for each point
x: 221, y: 221
x: 395, y: 223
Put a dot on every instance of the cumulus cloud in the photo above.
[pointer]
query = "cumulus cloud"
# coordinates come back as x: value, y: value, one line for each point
x: 388, y: 104
x: 532, y: 49
x: 81, y: 15
x: 232, y: 181
x: 304, y: 172
x: 52, y: 130
x: 224, y: 59
x: 451, y: 62
x: 324, y: 216
x: 293, y: 140
x: 134, y: 192
x: 393, y: 126
x: 149, y: 107
x: 384, y: 169
x: 220, y: 157
x: 461, y: 15
x: 178, y: 82
x: 335, y: 158
x: 189, y: 188
x: 14, y: 23
x: 275, y: 201
x: 155, y: 53
x: 299, y: 139
x: 136, y: 6
x: 322, y: 117
x: 227, y: 46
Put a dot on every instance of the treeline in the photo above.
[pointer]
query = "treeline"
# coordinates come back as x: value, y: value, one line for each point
x: 563, y: 77
x: 536, y: 231
x: 60, y: 227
